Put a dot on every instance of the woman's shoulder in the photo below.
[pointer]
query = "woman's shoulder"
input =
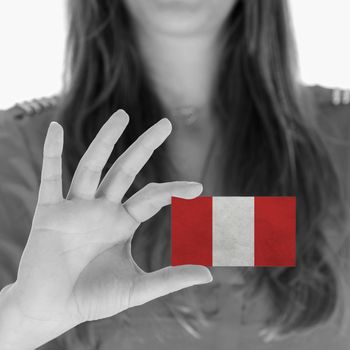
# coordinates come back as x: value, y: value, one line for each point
x: 330, y: 97
x: 22, y: 133
x: 332, y: 110
x: 332, y: 117
x: 35, y: 112
x: 23, y: 126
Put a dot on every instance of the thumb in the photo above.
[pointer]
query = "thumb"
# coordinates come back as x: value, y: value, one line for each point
x: 167, y: 280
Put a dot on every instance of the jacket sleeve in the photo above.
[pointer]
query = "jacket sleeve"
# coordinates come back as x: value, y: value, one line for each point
x: 334, y: 126
x: 19, y: 185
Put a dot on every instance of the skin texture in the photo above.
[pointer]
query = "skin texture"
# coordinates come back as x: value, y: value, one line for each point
x: 180, y: 17
x: 77, y: 264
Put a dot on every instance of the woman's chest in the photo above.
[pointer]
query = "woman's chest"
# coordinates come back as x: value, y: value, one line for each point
x: 197, y: 157
x: 154, y: 327
x: 146, y: 328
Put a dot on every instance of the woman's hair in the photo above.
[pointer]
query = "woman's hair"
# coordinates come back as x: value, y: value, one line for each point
x: 271, y: 146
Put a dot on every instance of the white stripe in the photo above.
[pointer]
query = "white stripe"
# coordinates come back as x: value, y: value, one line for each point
x: 233, y: 231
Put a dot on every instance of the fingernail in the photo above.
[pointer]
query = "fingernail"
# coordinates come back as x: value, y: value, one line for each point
x: 121, y: 115
x: 210, y: 277
x: 54, y: 124
x: 196, y: 186
x: 165, y: 123
x: 207, y: 274
x: 55, y: 128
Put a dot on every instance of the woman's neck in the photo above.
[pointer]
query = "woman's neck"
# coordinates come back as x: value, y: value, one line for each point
x: 182, y: 69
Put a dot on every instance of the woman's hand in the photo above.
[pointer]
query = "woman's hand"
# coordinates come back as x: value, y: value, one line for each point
x: 77, y: 264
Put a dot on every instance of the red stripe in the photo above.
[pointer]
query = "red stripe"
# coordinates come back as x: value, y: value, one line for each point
x: 191, y: 222
x: 274, y: 234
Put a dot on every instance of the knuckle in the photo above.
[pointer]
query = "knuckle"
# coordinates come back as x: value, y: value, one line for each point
x: 145, y: 142
x: 147, y: 147
x: 52, y: 178
x: 91, y: 167
x: 166, y: 274
x: 131, y: 295
x: 153, y: 207
x: 82, y: 195
x: 123, y: 173
x: 106, y: 144
x: 48, y: 155
x: 151, y: 186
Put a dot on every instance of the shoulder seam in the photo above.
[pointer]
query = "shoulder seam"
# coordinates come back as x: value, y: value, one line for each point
x: 35, y: 106
x: 331, y: 96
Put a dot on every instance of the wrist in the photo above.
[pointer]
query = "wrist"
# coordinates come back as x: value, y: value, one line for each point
x: 18, y: 330
x: 12, y: 329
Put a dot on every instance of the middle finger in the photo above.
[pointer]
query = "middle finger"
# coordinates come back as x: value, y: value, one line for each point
x: 88, y: 172
x: 123, y: 172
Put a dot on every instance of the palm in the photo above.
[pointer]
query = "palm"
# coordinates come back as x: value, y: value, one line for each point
x: 89, y: 256
x: 105, y: 286
x: 77, y: 264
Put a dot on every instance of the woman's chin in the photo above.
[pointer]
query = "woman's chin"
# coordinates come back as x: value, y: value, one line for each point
x: 174, y: 18
x: 184, y: 17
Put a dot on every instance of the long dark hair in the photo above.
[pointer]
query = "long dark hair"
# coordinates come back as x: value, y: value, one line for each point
x: 271, y: 145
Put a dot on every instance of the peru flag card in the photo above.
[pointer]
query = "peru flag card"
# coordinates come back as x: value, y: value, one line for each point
x: 234, y: 231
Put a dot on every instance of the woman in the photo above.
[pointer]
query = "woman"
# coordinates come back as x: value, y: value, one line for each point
x: 224, y: 74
